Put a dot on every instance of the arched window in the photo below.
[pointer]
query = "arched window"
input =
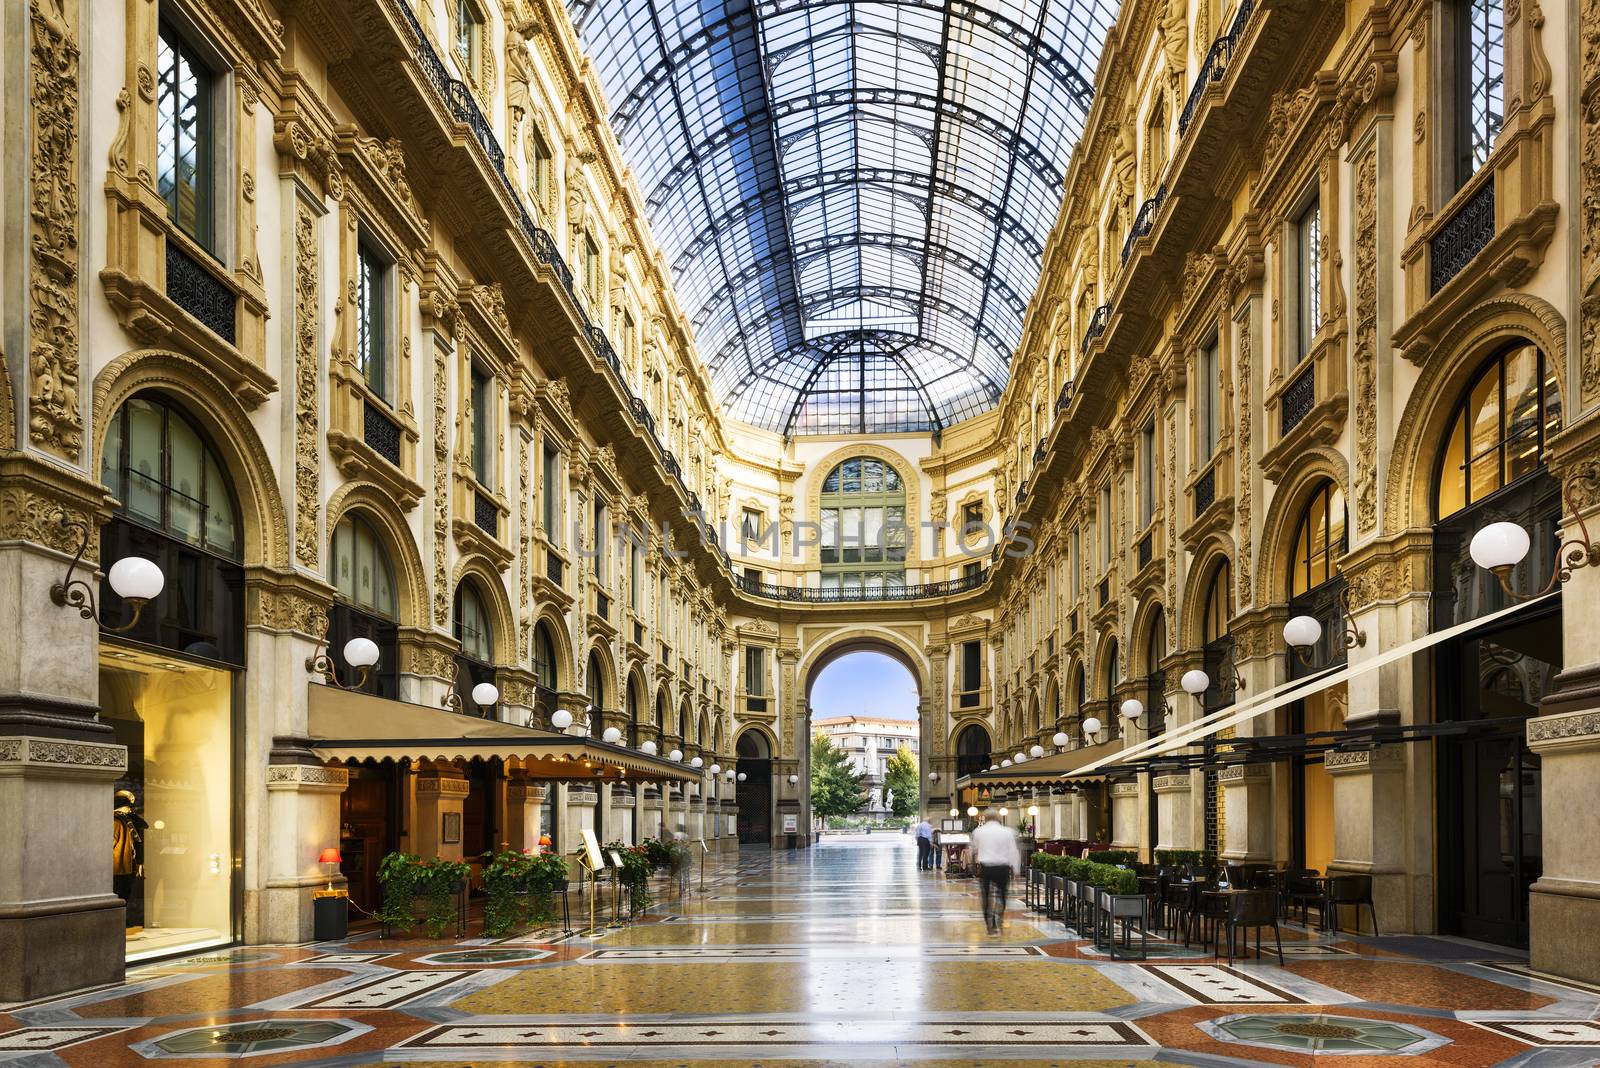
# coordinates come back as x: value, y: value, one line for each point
x: 475, y: 661
x: 364, y: 603
x: 1218, y: 604
x: 175, y: 507
x: 1499, y: 432
x: 1155, y: 648
x: 597, y: 693
x: 972, y: 750
x: 157, y: 464
x: 1113, y: 671
x: 544, y: 657
x: 1319, y: 540
x: 864, y: 536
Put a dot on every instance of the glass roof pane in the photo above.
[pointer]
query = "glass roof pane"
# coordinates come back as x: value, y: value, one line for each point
x: 850, y: 187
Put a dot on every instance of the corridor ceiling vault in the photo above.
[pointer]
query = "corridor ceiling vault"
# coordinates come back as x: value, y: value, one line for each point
x: 853, y: 195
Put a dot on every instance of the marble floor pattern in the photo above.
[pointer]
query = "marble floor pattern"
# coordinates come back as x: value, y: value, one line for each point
x: 843, y: 954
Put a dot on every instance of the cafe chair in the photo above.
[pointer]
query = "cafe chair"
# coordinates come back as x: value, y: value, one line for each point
x: 1353, y: 890
x: 1302, y: 889
x: 1252, y: 909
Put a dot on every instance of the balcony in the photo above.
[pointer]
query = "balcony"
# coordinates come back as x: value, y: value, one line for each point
x: 195, y: 287
x: 1097, y: 326
x: 1297, y: 401
x: 381, y: 433
x: 485, y: 514
x: 816, y: 595
x: 1460, y: 240
x: 1216, y: 64
x: 1144, y: 222
x: 1205, y: 491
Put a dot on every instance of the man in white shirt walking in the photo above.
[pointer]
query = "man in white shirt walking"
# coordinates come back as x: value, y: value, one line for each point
x: 996, y: 855
x: 924, y: 846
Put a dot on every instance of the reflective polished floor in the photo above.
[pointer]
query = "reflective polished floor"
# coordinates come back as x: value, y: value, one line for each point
x: 843, y: 954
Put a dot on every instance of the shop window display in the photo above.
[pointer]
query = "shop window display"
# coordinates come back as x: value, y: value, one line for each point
x: 171, y: 831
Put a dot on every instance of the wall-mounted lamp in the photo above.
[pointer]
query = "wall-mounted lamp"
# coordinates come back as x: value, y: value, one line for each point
x: 933, y: 776
x: 1091, y: 730
x: 972, y: 810
x: 1060, y: 740
x: 1302, y: 633
x: 793, y: 779
x: 740, y: 776
x: 648, y: 747
x: 716, y: 769
x: 954, y: 813
x: 1196, y: 682
x: 1499, y: 547
x: 1036, y: 751
x: 359, y: 653
x: 133, y: 578
x: 1133, y: 711
x: 484, y: 695
x: 675, y: 756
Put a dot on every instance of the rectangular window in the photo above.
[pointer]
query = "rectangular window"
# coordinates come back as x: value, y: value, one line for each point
x: 601, y: 557
x: 1481, y: 69
x: 971, y: 666
x: 185, y: 136
x: 543, y: 171
x: 469, y: 35
x: 754, y: 575
x: 1308, y: 290
x: 483, y: 434
x: 552, y: 494
x: 1208, y: 413
x: 372, y: 318
x: 755, y: 671
x: 589, y: 256
x: 1073, y: 565
x: 1147, y: 474
x: 1103, y: 521
x: 635, y: 574
x: 971, y: 570
x: 751, y: 523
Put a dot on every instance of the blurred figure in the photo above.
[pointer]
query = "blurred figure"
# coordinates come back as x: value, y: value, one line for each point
x: 924, y: 846
x: 996, y: 855
x: 938, y: 849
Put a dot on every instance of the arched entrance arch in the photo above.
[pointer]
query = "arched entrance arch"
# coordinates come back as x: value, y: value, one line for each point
x: 754, y: 749
x: 823, y: 652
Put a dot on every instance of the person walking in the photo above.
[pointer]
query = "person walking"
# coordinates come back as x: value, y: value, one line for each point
x: 924, y: 846
x: 996, y: 855
x: 938, y: 849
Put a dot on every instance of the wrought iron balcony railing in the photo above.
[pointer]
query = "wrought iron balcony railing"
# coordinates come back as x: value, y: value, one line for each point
x: 817, y: 595
x: 1144, y: 222
x: 1097, y: 326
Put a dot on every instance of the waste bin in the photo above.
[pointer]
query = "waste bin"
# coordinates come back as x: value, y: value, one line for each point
x: 330, y: 915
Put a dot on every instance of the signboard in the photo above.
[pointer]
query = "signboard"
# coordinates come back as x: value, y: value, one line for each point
x: 591, y: 846
x: 616, y: 860
x: 946, y: 826
x: 791, y: 823
x: 953, y: 839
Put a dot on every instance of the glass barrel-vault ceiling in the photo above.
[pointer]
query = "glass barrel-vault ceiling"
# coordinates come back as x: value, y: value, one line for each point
x: 853, y: 195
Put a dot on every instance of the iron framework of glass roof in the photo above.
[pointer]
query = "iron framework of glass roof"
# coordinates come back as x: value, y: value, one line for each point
x: 853, y: 195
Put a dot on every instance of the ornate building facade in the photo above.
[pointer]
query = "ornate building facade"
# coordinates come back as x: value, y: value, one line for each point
x: 348, y: 315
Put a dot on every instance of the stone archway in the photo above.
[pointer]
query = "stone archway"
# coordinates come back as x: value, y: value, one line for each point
x: 815, y: 659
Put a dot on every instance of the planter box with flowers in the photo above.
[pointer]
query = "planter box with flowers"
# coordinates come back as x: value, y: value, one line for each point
x: 430, y: 892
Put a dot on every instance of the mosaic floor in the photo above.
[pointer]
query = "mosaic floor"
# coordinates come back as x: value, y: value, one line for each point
x: 843, y: 954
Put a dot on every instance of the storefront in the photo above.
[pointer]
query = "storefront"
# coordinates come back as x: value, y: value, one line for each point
x: 170, y: 682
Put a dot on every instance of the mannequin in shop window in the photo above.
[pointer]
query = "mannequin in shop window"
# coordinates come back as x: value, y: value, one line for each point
x: 127, y: 854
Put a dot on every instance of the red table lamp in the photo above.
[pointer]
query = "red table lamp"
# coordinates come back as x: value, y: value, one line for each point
x: 330, y: 855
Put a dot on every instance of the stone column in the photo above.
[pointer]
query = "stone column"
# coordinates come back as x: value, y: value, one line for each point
x: 1247, y: 789
x: 1125, y: 809
x: 524, y: 811
x: 1174, y: 808
x: 1566, y: 899
x: 1370, y: 825
x: 650, y: 809
x: 620, y: 823
x: 441, y: 792
x: 302, y: 819
x: 60, y: 924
